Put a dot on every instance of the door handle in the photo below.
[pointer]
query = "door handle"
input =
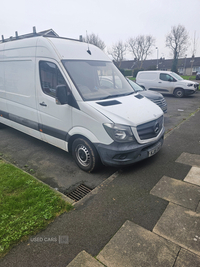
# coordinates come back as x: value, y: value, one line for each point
x: 43, y: 104
x: 159, y: 82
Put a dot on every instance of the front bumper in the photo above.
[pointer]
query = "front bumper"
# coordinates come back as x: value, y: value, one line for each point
x: 190, y: 91
x: 121, y: 154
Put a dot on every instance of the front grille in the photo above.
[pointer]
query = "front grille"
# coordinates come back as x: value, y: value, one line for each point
x: 160, y: 102
x: 150, y: 129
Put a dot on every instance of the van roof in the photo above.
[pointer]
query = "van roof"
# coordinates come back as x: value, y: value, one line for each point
x: 71, y: 49
x: 155, y: 71
x: 63, y: 47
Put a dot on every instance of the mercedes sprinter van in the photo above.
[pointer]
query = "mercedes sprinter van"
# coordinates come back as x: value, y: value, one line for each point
x: 72, y: 96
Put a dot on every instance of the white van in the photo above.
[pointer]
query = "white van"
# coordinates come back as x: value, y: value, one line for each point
x: 166, y: 82
x: 55, y: 90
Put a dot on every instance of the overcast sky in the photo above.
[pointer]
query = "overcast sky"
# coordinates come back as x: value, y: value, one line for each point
x: 111, y: 20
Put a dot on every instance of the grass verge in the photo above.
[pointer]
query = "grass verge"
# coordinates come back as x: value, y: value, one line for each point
x: 189, y: 77
x: 26, y: 206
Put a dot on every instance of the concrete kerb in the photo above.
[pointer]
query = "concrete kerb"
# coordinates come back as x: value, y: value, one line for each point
x: 65, y: 198
x: 184, y: 120
x: 96, y: 189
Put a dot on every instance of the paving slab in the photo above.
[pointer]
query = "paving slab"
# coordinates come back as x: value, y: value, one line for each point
x: 193, y: 176
x: 83, y: 259
x: 181, y: 226
x: 176, y: 191
x: 133, y: 245
x: 189, y: 159
x: 187, y: 259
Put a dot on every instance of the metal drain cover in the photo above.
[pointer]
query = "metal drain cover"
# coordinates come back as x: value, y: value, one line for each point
x: 78, y: 193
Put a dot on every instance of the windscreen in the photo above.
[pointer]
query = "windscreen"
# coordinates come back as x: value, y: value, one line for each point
x: 135, y: 86
x: 96, y: 80
x: 179, y: 78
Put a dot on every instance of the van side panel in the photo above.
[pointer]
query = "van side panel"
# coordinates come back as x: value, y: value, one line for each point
x: 3, y: 106
x: 19, y: 86
x: 148, y: 76
x: 3, y: 102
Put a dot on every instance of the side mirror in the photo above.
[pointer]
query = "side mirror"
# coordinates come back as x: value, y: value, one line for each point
x: 61, y: 94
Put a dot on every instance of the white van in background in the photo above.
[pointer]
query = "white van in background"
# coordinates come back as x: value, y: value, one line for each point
x: 55, y: 89
x: 166, y: 82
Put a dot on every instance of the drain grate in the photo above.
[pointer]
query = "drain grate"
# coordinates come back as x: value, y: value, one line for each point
x: 78, y: 193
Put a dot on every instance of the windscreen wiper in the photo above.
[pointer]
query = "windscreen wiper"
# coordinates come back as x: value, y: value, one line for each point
x: 117, y: 95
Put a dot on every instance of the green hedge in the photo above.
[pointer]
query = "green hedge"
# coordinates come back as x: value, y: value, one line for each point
x: 126, y: 72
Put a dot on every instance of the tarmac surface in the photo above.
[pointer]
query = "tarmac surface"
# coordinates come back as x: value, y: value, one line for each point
x: 149, y: 221
x: 57, y: 168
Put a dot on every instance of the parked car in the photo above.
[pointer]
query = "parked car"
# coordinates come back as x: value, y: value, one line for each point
x: 166, y: 82
x: 155, y: 97
x: 198, y: 75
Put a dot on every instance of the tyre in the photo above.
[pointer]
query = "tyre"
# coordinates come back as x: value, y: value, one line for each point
x: 179, y: 92
x: 85, y: 155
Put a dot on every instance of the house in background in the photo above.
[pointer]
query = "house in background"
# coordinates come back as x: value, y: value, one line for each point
x: 186, y: 66
x: 47, y: 33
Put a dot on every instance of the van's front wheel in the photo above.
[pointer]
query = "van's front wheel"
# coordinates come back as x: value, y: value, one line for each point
x: 179, y: 92
x: 85, y: 155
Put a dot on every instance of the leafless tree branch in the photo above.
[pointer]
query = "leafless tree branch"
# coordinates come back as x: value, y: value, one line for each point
x: 95, y: 40
x: 177, y: 41
x: 118, y: 51
x: 141, y: 46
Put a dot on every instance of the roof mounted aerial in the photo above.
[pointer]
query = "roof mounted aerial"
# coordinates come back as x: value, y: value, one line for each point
x: 16, y: 35
x: 34, y: 29
x: 2, y: 38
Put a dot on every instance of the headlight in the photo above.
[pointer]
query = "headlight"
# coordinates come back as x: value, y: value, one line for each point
x: 119, y: 132
x: 189, y: 84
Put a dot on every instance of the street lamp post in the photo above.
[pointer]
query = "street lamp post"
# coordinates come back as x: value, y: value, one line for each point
x: 185, y: 65
x: 157, y: 58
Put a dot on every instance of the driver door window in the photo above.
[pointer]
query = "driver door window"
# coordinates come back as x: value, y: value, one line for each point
x: 166, y: 77
x: 50, y: 77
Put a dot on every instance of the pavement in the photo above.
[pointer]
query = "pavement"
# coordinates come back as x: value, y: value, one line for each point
x: 147, y: 214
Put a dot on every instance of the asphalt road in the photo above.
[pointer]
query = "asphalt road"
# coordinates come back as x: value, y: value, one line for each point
x: 57, y: 168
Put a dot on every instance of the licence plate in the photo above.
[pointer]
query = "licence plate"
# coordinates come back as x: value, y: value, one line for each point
x: 154, y: 149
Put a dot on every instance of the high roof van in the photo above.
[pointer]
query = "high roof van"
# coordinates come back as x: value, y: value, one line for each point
x: 166, y: 82
x: 72, y: 96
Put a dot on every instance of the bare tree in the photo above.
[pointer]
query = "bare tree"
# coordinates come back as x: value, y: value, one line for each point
x: 194, y: 49
x: 194, y: 44
x: 118, y: 51
x: 177, y: 41
x: 95, y: 40
x: 141, y: 47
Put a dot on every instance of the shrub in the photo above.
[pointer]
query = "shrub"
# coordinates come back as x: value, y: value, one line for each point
x: 126, y: 72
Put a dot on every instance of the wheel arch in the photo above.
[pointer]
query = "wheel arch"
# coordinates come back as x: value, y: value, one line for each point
x: 176, y: 88
x: 74, y: 137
